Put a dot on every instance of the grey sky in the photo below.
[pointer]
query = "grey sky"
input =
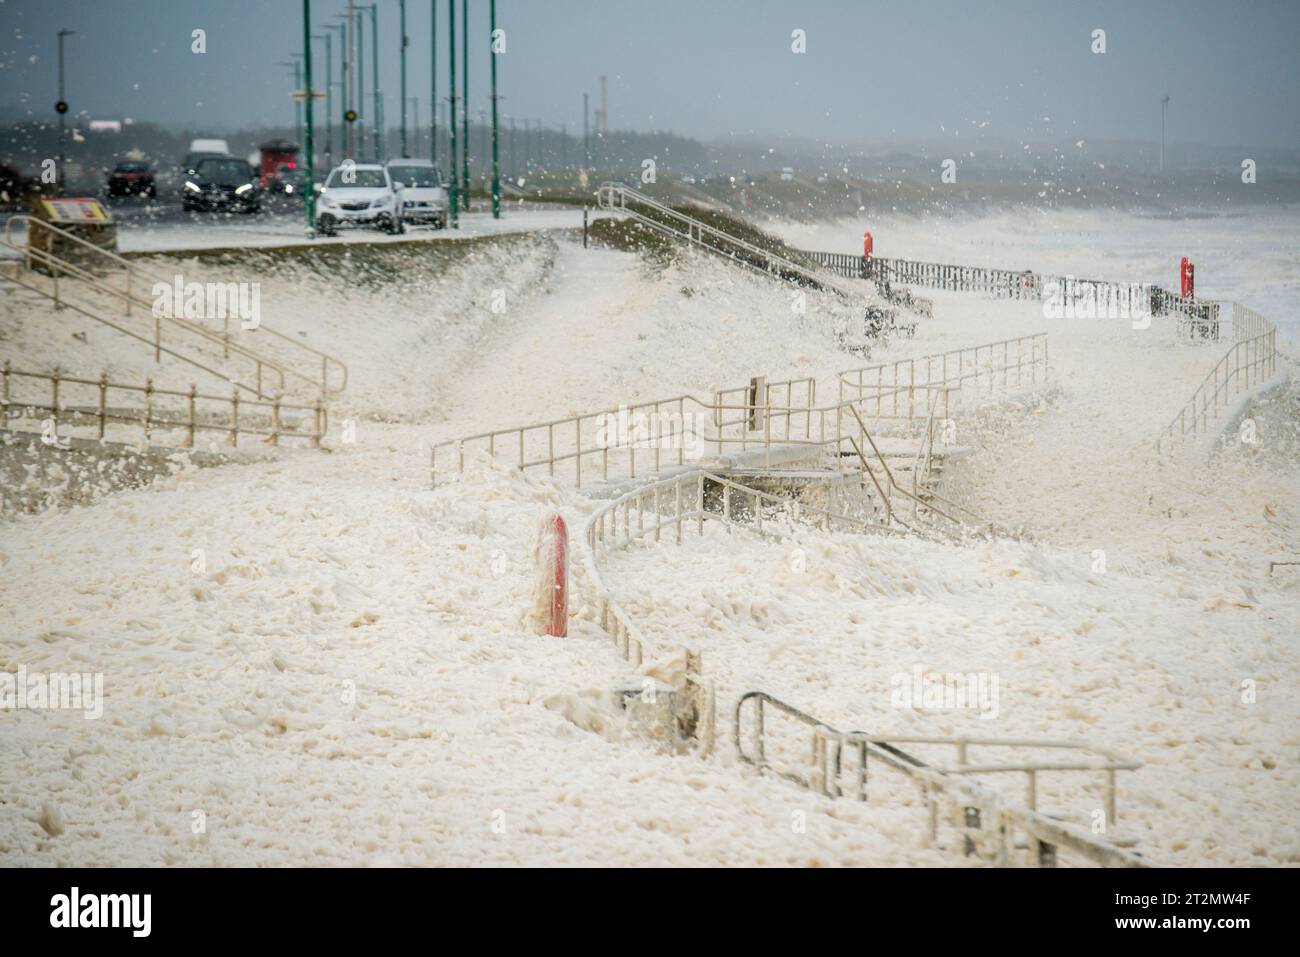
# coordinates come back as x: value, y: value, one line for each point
x: 713, y: 68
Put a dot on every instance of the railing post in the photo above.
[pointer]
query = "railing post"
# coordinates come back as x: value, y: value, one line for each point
x: 194, y: 392
x: 54, y: 380
x: 233, y: 437
x: 148, y: 409
x: 103, y: 403
x: 275, y: 421
x: 677, y: 486
x: 700, y: 502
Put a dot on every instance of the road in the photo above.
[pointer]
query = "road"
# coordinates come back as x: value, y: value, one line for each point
x: 161, y: 225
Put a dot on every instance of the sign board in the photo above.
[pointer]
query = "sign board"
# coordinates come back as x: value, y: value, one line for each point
x: 69, y: 210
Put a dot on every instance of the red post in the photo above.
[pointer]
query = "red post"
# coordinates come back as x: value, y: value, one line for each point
x: 1187, y: 279
x: 557, y: 622
x: 866, y: 245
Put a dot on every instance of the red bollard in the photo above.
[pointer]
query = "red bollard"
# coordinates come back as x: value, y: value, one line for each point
x: 866, y: 245
x: 555, y: 576
x: 1187, y: 279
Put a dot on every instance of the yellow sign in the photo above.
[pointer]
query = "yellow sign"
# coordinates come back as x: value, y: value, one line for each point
x: 65, y: 210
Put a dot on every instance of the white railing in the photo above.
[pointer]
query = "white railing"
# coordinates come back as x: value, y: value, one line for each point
x: 1005, y: 364
x: 596, y: 445
x: 60, y: 398
x: 1248, y: 363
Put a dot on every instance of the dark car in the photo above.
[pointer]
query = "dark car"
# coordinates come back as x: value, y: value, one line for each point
x: 131, y: 178
x: 221, y: 182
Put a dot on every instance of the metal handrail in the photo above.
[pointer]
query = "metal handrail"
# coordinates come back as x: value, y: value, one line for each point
x: 133, y: 270
x: 570, y: 439
x: 615, y: 197
x: 672, y: 510
x: 89, y: 279
x: 1256, y: 337
x: 941, y: 360
x: 829, y: 745
x: 918, y: 502
x: 150, y: 418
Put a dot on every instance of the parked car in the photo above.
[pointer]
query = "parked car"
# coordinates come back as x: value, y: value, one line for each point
x: 131, y: 178
x: 289, y: 179
x: 221, y: 182
x: 190, y: 165
x: 359, y: 195
x: 424, y: 197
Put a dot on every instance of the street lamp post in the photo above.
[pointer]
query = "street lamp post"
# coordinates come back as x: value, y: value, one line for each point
x: 349, y: 80
x: 378, y: 134
x: 496, y: 162
x: 451, y: 124
x: 310, y: 199
x: 361, y: 83
x: 343, y: 99
x: 433, y: 81
x: 401, y: 7
x: 464, y: 67
x: 62, y: 108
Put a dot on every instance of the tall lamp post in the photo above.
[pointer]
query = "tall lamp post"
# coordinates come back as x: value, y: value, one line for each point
x: 343, y: 98
x: 464, y: 67
x: 310, y: 200
x: 361, y: 83
x: 433, y: 80
x: 378, y: 135
x: 454, y: 205
x: 61, y: 107
x: 496, y: 161
x: 401, y: 7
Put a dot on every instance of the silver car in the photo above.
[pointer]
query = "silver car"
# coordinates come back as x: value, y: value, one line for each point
x: 424, y: 197
x: 359, y: 195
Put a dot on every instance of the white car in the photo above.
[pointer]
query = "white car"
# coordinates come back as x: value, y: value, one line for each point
x: 359, y: 195
x: 424, y: 198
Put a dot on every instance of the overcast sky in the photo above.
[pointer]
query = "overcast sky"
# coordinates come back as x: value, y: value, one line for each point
x: 873, y: 71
